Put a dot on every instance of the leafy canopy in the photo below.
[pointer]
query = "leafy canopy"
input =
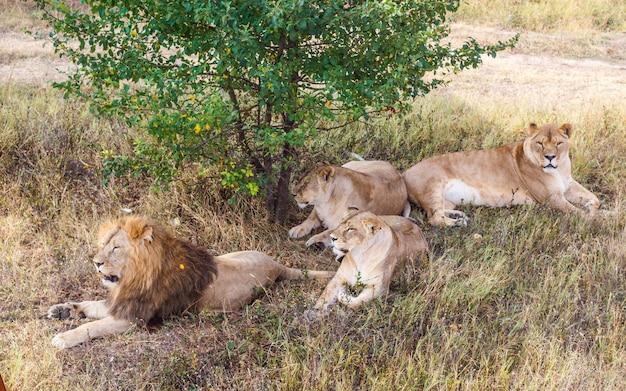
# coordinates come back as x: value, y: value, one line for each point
x: 240, y: 85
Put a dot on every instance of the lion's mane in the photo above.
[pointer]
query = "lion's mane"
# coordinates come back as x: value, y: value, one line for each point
x: 163, y: 276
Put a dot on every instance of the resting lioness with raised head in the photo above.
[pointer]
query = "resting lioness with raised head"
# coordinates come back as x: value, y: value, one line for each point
x: 537, y: 169
x: 373, y: 251
x: 152, y: 274
x: 367, y: 185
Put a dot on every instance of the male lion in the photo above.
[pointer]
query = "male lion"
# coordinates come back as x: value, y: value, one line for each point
x: 152, y: 274
x: 374, y: 249
x: 367, y: 185
x: 537, y: 169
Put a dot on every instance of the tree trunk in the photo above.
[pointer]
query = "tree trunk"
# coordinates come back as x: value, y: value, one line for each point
x: 283, y: 194
x: 278, y: 193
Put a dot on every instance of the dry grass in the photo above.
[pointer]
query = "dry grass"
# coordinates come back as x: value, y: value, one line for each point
x: 536, y: 301
x: 551, y: 16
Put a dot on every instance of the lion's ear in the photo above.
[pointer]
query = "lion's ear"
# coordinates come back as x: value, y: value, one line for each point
x: 147, y: 234
x: 532, y: 128
x: 567, y: 129
x: 107, y: 230
x: 138, y: 229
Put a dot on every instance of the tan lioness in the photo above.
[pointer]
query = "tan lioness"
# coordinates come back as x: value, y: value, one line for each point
x: 367, y: 185
x: 537, y: 169
x: 373, y: 249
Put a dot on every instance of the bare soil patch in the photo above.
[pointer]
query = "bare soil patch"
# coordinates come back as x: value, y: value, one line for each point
x: 27, y: 59
x: 576, y: 66
x: 513, y: 75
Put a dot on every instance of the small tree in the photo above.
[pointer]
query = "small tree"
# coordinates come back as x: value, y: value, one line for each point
x: 241, y: 85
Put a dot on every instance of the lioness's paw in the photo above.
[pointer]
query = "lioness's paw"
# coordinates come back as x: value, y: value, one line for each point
x: 320, y: 241
x: 345, y: 298
x: 313, y: 316
x: 64, y: 311
x: 606, y: 213
x: 455, y: 218
x: 298, y: 231
x: 461, y: 222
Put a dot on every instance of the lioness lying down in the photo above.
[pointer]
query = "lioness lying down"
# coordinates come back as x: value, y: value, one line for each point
x: 537, y: 169
x: 367, y: 185
x: 373, y: 249
x: 152, y: 274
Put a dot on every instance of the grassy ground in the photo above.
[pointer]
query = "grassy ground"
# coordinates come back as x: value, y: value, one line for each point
x: 522, y: 298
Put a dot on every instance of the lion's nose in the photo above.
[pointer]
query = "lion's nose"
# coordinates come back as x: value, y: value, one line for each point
x: 550, y: 157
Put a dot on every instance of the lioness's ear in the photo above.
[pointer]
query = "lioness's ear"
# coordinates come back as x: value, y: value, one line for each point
x: 532, y: 128
x: 567, y: 129
x: 372, y: 225
x: 327, y: 172
x: 350, y: 212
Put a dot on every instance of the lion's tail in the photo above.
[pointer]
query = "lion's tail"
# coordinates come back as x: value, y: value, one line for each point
x: 300, y: 274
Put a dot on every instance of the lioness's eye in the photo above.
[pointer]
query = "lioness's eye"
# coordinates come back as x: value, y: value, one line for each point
x: 540, y: 143
x: 559, y: 144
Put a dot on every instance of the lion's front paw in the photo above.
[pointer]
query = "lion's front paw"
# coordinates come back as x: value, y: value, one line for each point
x: 67, y: 339
x: 59, y: 342
x: 64, y: 311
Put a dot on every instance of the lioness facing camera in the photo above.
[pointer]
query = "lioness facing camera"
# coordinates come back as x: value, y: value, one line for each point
x: 373, y: 249
x: 537, y: 169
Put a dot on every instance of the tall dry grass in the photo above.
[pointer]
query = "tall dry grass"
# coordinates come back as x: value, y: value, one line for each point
x: 552, y: 16
x: 523, y: 298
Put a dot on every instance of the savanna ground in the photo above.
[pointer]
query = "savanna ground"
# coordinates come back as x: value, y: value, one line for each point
x: 522, y: 298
